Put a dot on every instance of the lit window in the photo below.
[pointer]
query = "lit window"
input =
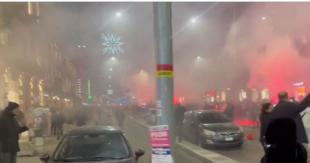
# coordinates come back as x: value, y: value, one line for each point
x: 4, y: 38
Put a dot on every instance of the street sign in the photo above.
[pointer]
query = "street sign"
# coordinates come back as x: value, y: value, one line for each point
x: 160, y: 143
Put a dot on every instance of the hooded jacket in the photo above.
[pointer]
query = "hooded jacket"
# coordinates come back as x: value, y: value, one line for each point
x: 10, y: 129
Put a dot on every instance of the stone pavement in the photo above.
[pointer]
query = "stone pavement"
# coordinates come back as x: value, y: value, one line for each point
x: 251, y: 152
x: 139, y: 137
x: 50, y: 143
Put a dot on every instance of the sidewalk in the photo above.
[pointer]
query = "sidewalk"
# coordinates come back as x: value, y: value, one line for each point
x: 50, y: 143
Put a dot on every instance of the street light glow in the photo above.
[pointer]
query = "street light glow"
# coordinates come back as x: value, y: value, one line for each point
x: 110, y: 69
x: 193, y: 20
x: 110, y: 77
x: 118, y: 14
x: 263, y: 18
x: 198, y: 57
x: 113, y: 58
x: 79, y: 46
x: 83, y: 46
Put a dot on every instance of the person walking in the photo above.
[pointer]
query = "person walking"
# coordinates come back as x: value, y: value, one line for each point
x: 9, y: 132
x: 120, y: 116
x: 265, y: 110
x: 59, y: 122
x: 53, y: 120
x: 285, y: 108
x: 179, y: 113
x: 230, y: 111
x: 254, y: 114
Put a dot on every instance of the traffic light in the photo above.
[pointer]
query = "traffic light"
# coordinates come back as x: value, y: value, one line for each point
x: 90, y: 97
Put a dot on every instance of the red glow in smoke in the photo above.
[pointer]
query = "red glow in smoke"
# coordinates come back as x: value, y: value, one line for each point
x: 243, y: 122
x: 176, y: 100
x: 277, y: 71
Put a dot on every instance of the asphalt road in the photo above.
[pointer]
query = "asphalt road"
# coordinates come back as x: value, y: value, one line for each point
x: 251, y: 152
x: 139, y: 137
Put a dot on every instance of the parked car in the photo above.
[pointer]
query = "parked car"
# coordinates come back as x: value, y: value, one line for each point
x: 150, y: 117
x: 210, y: 128
x: 94, y: 144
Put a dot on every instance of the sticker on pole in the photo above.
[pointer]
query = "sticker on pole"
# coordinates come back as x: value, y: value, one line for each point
x: 160, y: 142
x: 158, y: 104
x: 164, y: 71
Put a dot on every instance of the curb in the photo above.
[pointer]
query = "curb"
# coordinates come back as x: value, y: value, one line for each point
x: 205, y: 155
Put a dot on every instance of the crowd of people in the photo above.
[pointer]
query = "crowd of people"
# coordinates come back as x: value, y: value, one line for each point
x: 50, y: 120
x: 245, y: 109
x: 282, y: 132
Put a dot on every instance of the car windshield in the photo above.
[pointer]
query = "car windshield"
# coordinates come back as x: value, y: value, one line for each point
x: 212, y: 118
x: 92, y: 147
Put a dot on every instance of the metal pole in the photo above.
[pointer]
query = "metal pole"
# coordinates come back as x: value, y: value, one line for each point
x: 164, y: 62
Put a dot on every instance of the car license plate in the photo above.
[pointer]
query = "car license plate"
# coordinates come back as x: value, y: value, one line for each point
x: 229, y: 139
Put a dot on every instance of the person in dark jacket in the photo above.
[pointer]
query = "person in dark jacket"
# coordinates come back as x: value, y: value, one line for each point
x: 81, y: 117
x: 230, y: 111
x: 120, y: 117
x: 265, y: 110
x: 9, y: 132
x: 254, y: 114
x: 281, y: 135
x: 179, y: 113
x: 285, y: 108
x: 60, y: 119
x: 53, y: 128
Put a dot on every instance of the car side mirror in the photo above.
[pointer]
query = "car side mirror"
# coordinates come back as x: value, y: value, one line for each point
x: 139, y: 153
x: 45, y: 158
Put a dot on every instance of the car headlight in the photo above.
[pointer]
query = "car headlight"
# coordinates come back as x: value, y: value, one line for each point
x: 208, y: 132
x: 240, y: 130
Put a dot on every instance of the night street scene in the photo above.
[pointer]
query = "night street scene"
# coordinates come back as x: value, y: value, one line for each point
x: 154, y: 82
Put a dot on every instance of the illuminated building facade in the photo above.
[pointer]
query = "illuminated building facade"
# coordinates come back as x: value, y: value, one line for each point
x: 33, y: 67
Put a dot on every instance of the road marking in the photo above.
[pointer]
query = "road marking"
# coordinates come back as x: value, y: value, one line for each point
x: 202, y: 153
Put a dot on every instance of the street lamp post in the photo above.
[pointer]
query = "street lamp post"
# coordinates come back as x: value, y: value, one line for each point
x: 164, y: 62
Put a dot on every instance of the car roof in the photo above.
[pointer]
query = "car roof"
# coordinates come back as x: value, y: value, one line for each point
x: 201, y: 111
x: 89, y: 130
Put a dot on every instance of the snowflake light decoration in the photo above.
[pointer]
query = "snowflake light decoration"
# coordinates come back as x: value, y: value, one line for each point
x: 112, y: 44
